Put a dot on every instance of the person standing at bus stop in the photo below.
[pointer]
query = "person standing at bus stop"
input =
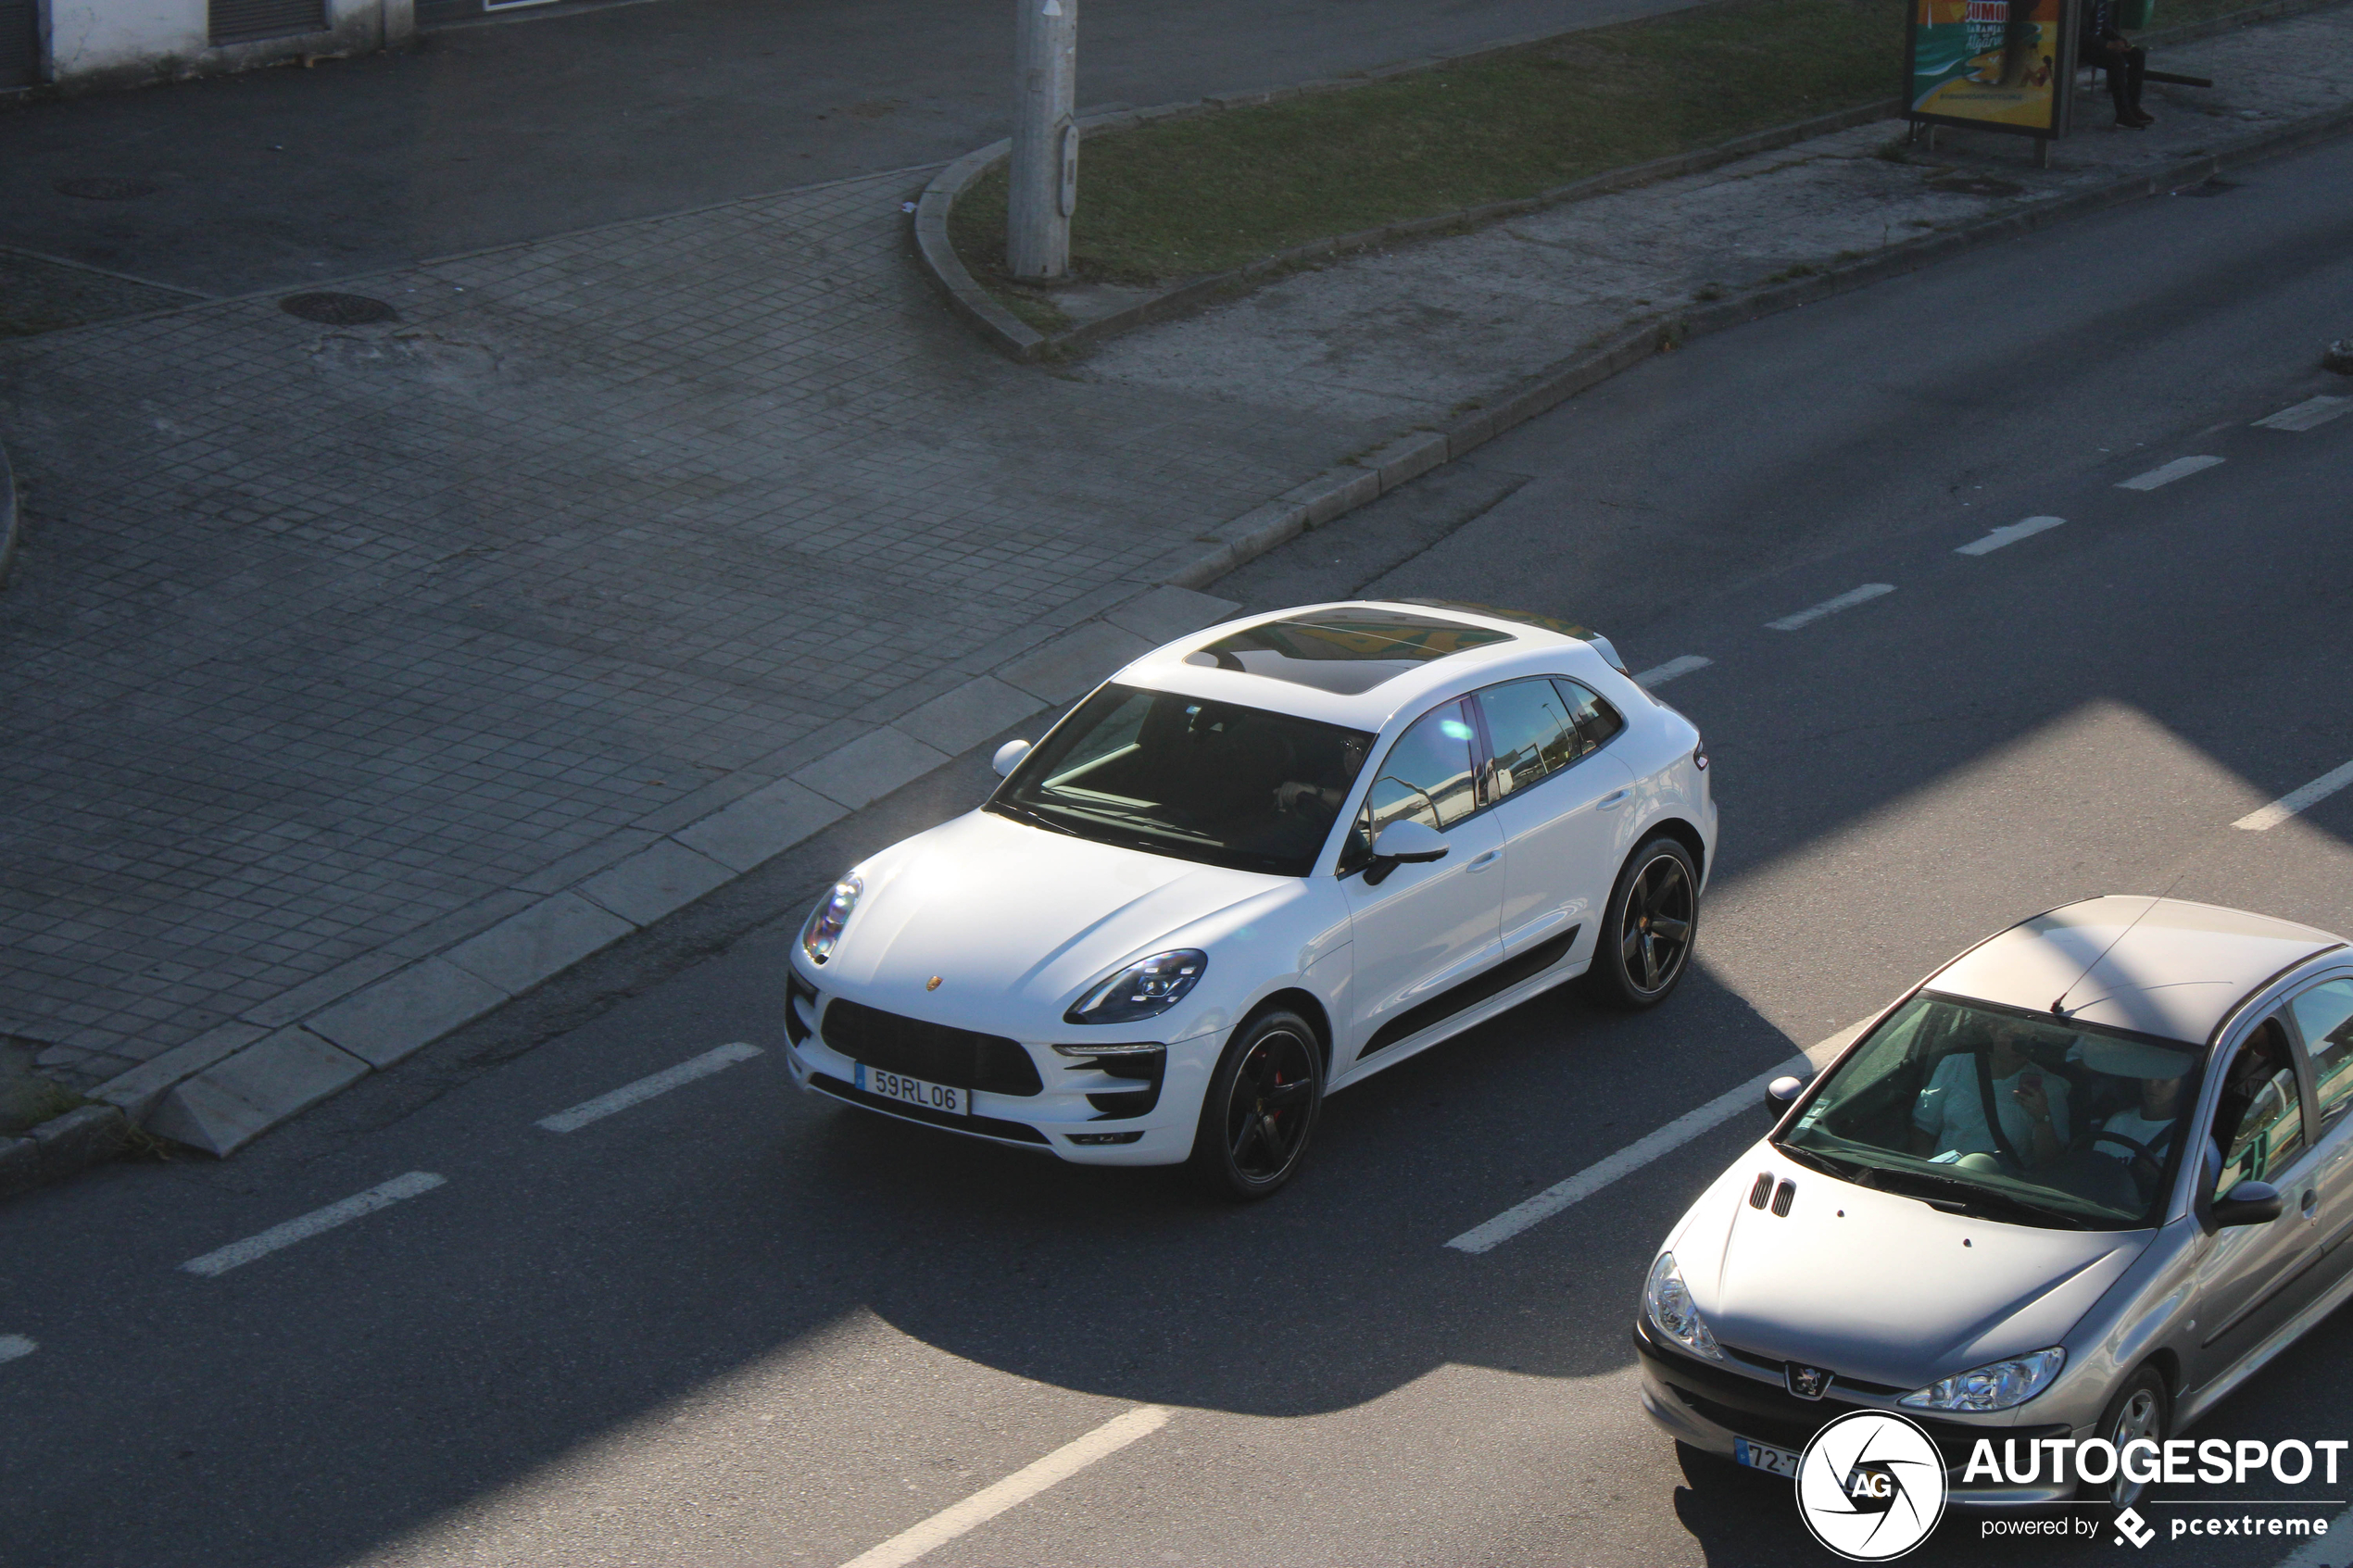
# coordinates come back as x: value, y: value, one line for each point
x: 2103, y: 44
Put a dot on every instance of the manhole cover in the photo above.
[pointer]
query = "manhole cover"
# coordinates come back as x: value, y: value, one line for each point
x: 338, y: 309
x: 105, y: 188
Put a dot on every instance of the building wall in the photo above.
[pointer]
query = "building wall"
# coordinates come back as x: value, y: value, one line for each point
x: 124, y: 43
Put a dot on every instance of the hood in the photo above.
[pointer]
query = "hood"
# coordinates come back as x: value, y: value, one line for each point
x: 1882, y: 1287
x: 1002, y: 909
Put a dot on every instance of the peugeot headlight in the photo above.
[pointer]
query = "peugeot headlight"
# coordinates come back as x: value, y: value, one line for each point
x: 1141, y: 990
x: 1994, y: 1386
x: 1668, y: 1304
x: 817, y: 938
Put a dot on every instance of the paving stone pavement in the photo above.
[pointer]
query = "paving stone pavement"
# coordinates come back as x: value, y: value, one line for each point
x: 359, y: 678
x: 327, y: 644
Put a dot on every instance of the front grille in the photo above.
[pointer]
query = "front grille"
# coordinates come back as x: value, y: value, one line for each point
x: 981, y: 1126
x: 934, y: 1052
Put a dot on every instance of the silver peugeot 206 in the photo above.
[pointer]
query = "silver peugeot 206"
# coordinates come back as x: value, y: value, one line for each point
x: 2079, y: 1185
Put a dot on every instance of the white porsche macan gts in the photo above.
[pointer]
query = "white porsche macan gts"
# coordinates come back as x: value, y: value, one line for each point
x: 1257, y: 865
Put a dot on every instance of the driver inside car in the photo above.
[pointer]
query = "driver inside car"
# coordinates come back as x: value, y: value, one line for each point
x: 1949, y: 1120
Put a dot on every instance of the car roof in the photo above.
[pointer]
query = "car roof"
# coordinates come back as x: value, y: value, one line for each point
x: 2156, y: 966
x: 1527, y: 645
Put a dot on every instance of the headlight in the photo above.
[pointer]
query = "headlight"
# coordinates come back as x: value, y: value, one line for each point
x: 1671, y: 1312
x: 1141, y: 990
x: 817, y: 938
x: 1994, y: 1387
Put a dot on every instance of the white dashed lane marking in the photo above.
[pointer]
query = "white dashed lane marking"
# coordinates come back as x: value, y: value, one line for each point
x: 645, y: 1088
x: 1018, y: 1487
x: 2305, y: 415
x: 1846, y: 600
x: 239, y: 1253
x: 2288, y: 805
x: 2008, y: 533
x: 15, y: 1344
x: 2179, y: 468
x: 1660, y: 674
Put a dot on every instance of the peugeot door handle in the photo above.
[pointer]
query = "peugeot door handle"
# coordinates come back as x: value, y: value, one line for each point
x: 1485, y: 860
x: 2311, y: 1206
x: 1610, y: 801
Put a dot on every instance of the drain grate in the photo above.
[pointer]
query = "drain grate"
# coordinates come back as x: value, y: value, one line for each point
x: 1973, y: 185
x: 104, y: 187
x: 2211, y: 188
x: 338, y: 309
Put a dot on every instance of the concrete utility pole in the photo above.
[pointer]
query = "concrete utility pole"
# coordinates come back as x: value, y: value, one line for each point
x: 1044, y: 159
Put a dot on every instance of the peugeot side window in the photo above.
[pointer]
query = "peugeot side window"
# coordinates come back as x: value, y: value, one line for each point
x: 2259, y: 1125
x: 2324, y: 1015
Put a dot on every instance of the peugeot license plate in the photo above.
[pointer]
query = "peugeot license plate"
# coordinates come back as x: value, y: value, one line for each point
x: 931, y: 1096
x: 1757, y: 1456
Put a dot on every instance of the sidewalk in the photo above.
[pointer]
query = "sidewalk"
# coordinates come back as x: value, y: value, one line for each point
x: 360, y: 678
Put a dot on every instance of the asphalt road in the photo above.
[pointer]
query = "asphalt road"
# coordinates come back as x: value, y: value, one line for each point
x: 733, y: 1324
x: 535, y: 125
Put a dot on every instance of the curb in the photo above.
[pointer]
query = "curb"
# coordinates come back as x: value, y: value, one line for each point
x: 9, y: 518
x: 61, y: 1147
x: 229, y: 1086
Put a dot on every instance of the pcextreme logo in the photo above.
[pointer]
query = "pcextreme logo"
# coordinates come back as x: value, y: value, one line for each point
x: 1871, y: 1486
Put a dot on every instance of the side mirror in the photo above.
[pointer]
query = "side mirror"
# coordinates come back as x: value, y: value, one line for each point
x: 1782, y: 1092
x: 1403, y: 843
x: 2249, y: 1203
x: 1009, y: 757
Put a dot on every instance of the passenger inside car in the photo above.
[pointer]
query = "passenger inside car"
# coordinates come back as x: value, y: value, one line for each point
x: 1991, y: 1098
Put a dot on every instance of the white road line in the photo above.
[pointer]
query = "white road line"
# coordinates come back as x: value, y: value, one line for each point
x: 239, y: 1253
x: 660, y: 1082
x: 2166, y: 474
x: 2287, y: 806
x: 1018, y: 1487
x: 1847, y: 600
x: 15, y: 1344
x: 1633, y: 1157
x: 2332, y: 1551
x: 1658, y: 675
x: 2305, y: 415
x: 2008, y: 533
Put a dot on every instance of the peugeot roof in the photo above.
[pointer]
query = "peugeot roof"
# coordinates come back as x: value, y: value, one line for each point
x: 2156, y: 966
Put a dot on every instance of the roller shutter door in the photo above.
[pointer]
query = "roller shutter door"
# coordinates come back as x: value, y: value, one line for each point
x: 20, y: 43
x: 241, y: 22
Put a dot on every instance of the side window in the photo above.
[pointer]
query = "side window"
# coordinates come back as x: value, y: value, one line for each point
x: 1427, y: 775
x: 1529, y: 727
x: 2259, y: 1125
x: 2324, y: 1013
x: 1596, y: 720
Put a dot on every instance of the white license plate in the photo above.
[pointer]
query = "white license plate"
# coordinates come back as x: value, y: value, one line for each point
x: 914, y: 1091
x: 1757, y: 1456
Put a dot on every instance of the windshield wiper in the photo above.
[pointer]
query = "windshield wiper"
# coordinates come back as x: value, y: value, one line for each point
x: 1024, y: 814
x: 1844, y: 1170
x: 1968, y: 1194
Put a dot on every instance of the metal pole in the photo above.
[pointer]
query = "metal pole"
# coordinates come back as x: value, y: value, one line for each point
x: 1045, y: 158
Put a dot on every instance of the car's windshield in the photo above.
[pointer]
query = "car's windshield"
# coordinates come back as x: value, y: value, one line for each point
x: 2021, y: 1117
x: 1205, y: 781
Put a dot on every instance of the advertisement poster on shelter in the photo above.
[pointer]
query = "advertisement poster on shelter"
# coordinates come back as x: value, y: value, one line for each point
x: 1995, y: 63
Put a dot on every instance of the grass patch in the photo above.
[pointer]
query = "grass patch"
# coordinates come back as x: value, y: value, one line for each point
x: 1206, y: 194
x: 27, y: 1101
x: 1174, y: 200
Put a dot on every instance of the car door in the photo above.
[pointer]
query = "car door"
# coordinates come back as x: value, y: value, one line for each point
x: 1420, y: 930
x: 1560, y: 799
x: 2254, y: 1278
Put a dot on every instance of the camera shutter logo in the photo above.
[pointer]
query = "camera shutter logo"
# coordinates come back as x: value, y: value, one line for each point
x: 1871, y: 1486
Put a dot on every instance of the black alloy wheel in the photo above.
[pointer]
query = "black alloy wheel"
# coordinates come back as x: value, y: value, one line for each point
x: 1647, y: 935
x: 1260, y: 1109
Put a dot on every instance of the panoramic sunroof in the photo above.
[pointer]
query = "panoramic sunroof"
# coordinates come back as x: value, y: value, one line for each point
x: 1344, y: 652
